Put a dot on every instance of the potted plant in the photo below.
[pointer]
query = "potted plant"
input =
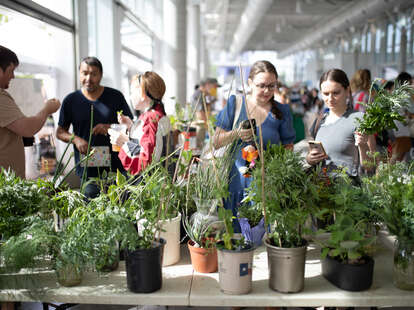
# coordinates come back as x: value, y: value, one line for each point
x: 143, y: 250
x: 158, y: 192
x: 392, y: 193
x: 289, y: 203
x: 39, y: 239
x: 19, y: 198
x: 235, y: 258
x: 202, y: 233
x: 347, y: 254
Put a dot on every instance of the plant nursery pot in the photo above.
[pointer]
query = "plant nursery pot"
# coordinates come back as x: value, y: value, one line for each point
x: 235, y: 270
x: 203, y: 260
x: 170, y: 232
x: 144, y: 268
x: 286, y: 268
x: 348, y: 277
x: 68, y: 275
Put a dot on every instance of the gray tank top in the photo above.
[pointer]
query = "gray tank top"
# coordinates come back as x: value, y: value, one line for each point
x: 339, y: 142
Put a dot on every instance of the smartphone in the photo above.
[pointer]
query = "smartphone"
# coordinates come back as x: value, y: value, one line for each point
x: 317, y: 145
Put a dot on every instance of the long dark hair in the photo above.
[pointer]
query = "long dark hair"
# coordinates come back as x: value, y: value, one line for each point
x: 266, y: 66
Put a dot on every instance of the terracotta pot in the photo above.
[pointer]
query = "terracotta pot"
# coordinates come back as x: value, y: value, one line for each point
x: 203, y: 260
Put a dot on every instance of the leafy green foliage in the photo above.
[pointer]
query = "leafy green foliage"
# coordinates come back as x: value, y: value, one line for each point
x: 252, y: 212
x: 351, y: 232
x: 227, y: 236
x: 291, y: 198
x: 348, y: 241
x: 385, y: 109
x: 19, y: 198
x: 391, y: 191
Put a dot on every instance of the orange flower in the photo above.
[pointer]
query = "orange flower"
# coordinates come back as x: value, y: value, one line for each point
x: 249, y: 153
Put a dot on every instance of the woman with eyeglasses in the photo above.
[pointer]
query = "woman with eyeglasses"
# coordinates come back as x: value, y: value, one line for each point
x: 274, y: 118
x: 344, y: 146
x: 144, y: 143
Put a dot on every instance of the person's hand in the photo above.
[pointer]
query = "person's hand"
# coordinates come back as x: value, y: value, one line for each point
x: 360, y: 139
x: 123, y: 119
x: 52, y: 105
x: 101, y: 129
x: 81, y: 145
x: 245, y: 135
x: 117, y: 137
x: 315, y: 156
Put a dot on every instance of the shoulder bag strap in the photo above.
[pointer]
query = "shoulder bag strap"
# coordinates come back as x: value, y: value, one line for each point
x: 317, y: 124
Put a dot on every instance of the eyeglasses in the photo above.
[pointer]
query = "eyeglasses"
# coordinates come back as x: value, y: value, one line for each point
x: 270, y: 86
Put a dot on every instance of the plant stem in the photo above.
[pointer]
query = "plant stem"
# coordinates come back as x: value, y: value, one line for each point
x: 87, y: 152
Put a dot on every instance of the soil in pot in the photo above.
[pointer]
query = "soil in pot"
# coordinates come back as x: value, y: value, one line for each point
x: 204, y: 260
x: 286, y: 268
x: 144, y: 268
x: 348, y: 277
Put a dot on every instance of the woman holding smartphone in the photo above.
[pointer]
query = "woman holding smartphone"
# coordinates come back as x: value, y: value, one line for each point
x: 274, y: 118
x: 344, y: 146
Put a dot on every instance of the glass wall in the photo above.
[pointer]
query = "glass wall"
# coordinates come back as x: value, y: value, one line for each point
x: 46, y: 70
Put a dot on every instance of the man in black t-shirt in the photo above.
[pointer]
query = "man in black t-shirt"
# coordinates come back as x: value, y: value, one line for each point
x: 76, y: 111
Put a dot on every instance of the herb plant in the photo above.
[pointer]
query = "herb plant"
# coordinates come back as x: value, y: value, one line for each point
x: 386, y: 107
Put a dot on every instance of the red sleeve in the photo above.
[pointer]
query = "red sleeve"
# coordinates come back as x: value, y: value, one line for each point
x: 138, y: 163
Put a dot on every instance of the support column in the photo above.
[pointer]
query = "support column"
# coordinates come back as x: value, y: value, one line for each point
x: 175, y: 52
x: 193, y: 47
x: 108, y: 21
x: 81, y: 33
x: 402, y: 63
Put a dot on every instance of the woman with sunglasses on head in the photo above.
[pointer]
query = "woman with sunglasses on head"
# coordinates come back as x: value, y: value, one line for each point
x: 274, y: 118
x: 144, y: 143
x: 336, y: 129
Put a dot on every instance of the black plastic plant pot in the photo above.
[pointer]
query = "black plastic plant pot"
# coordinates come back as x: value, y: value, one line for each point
x: 144, y: 268
x: 348, y: 277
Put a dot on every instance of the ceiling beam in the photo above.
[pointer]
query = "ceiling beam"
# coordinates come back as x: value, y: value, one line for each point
x: 359, y: 13
x: 253, y: 13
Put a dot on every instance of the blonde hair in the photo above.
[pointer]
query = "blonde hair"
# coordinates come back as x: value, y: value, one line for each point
x: 361, y: 80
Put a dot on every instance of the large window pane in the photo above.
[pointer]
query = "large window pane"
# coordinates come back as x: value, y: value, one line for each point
x: 46, y: 70
x: 62, y: 7
x: 135, y: 39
